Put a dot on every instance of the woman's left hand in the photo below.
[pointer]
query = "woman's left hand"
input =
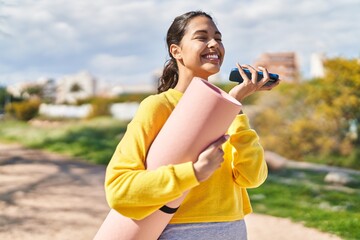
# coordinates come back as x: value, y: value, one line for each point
x: 249, y: 86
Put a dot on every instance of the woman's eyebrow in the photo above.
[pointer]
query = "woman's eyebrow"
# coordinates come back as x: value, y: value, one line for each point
x: 205, y: 31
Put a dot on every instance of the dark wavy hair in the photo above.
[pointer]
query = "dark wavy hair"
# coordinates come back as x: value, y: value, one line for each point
x: 175, y: 33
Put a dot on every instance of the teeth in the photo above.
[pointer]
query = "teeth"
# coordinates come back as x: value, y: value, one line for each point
x: 212, y: 56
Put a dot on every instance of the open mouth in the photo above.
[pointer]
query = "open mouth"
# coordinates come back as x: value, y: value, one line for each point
x: 213, y: 57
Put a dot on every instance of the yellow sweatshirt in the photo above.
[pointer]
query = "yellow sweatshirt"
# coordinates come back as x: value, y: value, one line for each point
x: 136, y: 192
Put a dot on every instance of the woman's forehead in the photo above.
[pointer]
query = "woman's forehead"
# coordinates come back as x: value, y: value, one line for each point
x: 201, y: 24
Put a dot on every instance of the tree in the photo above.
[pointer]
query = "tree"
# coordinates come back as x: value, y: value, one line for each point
x: 3, y: 98
x: 75, y: 88
x: 318, y: 118
x: 33, y: 90
x: 339, y: 94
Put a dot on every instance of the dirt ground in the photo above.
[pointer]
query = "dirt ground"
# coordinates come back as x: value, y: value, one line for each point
x: 48, y: 196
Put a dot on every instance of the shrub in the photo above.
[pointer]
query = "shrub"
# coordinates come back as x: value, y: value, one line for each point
x: 303, y: 122
x: 25, y: 110
x: 100, y: 107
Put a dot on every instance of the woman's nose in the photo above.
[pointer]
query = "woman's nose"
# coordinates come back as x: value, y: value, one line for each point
x: 212, y: 43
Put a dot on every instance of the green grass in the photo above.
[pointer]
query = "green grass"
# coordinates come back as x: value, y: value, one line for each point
x: 300, y: 195
x: 303, y: 196
x: 351, y: 161
x: 94, y: 140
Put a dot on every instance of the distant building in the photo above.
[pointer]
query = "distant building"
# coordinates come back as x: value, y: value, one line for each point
x: 42, y: 88
x: 283, y: 63
x: 317, y: 65
x: 18, y: 89
x: 49, y: 89
x: 76, y: 87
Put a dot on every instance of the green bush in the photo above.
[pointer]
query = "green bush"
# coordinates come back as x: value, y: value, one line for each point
x: 312, y: 119
x: 100, y: 107
x: 24, y: 110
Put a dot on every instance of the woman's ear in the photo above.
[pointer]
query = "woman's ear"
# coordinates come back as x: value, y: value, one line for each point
x: 175, y: 51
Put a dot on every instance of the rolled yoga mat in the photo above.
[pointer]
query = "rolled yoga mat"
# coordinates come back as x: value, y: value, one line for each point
x: 203, y: 114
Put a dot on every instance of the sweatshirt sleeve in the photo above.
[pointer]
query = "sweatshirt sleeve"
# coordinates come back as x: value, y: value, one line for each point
x: 134, y: 191
x: 246, y: 154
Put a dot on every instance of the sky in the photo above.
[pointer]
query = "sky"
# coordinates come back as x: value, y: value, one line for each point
x: 122, y: 42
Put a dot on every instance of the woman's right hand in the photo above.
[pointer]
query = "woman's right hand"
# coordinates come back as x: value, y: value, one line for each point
x: 210, y: 159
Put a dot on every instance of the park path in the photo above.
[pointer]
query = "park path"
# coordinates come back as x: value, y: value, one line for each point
x: 49, y: 196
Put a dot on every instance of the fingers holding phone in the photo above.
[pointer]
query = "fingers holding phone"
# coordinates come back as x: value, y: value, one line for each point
x: 269, y: 80
x: 245, y: 72
x: 251, y: 80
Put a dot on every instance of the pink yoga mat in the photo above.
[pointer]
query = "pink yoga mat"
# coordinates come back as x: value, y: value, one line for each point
x: 203, y: 115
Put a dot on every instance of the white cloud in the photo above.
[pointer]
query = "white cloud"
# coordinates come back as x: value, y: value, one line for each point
x: 12, y: 77
x: 106, y: 62
x: 118, y: 39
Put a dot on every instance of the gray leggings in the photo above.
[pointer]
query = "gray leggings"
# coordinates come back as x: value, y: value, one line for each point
x: 206, y: 231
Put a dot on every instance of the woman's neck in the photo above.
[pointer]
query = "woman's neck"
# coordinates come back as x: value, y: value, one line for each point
x: 181, y: 86
x: 184, y: 81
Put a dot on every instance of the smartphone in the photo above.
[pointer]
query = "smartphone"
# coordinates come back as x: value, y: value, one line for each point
x: 236, y: 77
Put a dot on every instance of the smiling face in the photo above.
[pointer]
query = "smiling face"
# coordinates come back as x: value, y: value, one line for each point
x: 200, y: 52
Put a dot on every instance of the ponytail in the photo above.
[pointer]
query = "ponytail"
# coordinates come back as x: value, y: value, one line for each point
x: 169, y: 77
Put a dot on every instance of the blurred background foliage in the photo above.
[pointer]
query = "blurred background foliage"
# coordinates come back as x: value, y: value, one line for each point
x: 315, y: 120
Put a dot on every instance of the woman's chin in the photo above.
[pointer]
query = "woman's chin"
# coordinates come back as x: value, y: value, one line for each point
x: 214, y: 71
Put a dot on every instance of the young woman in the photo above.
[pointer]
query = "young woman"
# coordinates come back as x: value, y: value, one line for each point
x: 218, y: 201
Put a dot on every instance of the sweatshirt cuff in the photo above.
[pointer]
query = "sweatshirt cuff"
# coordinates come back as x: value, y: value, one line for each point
x: 186, y: 176
x: 240, y: 123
